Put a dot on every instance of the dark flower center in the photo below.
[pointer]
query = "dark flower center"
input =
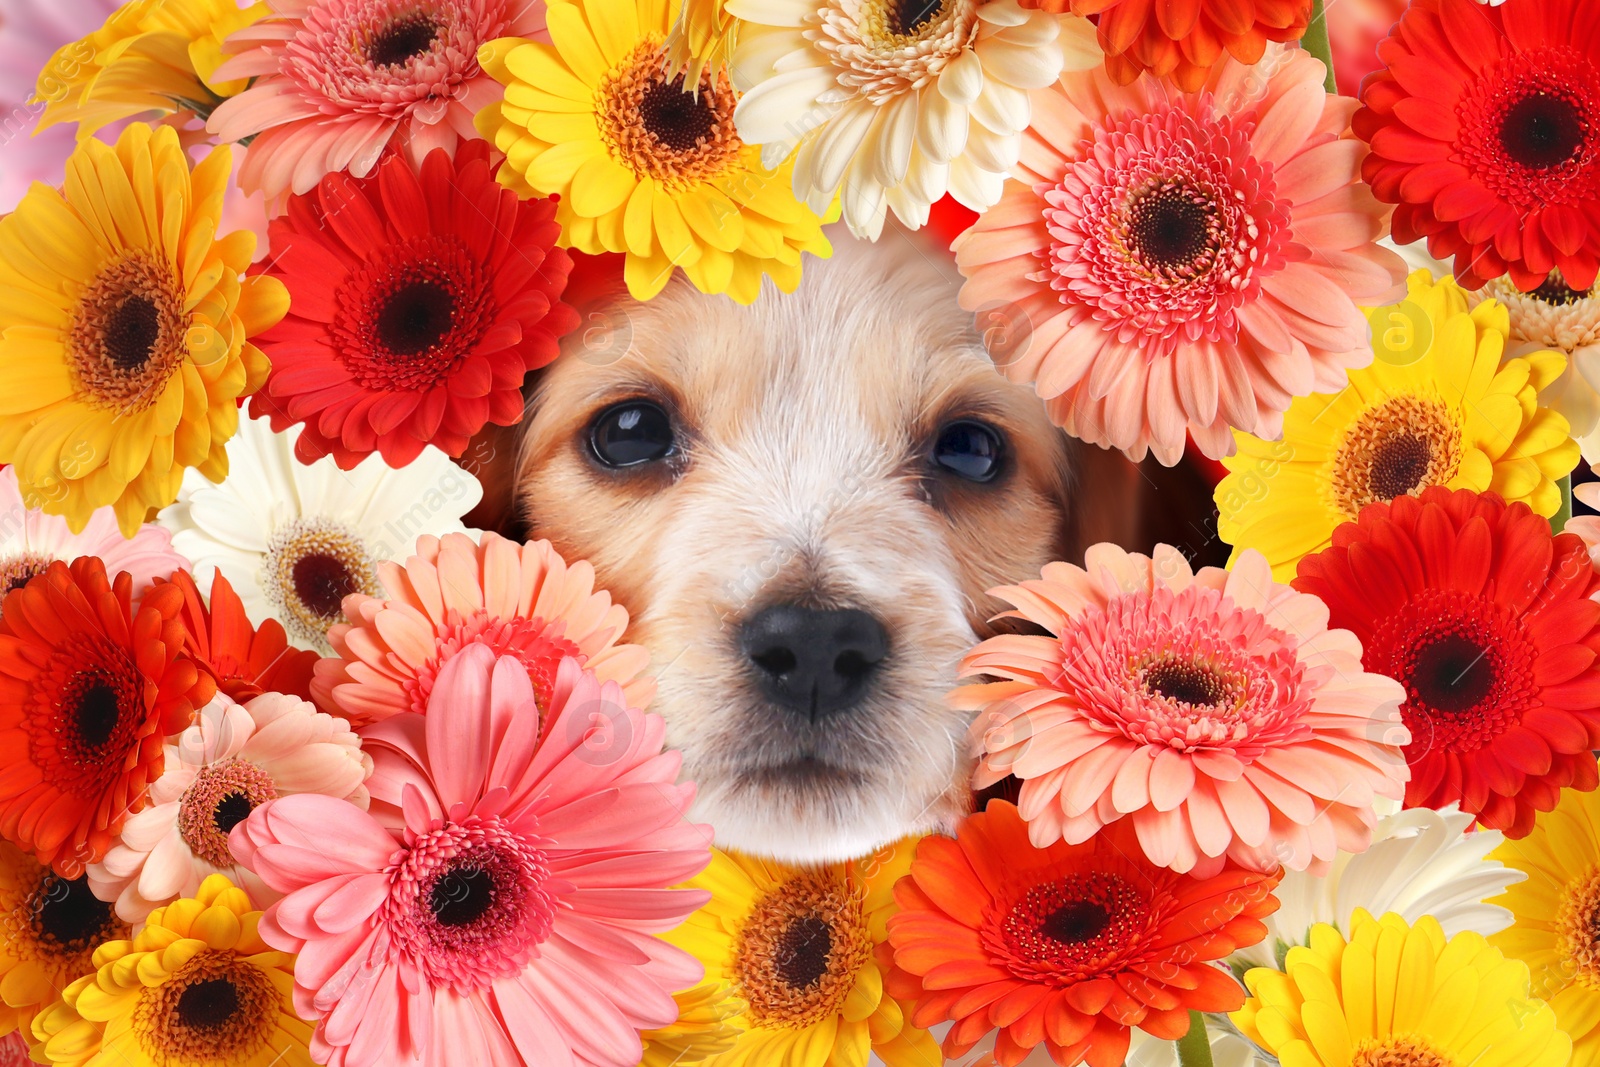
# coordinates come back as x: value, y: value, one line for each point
x: 801, y: 955
x: 1186, y: 682
x: 68, y: 913
x: 1399, y: 464
x: 231, y: 810
x: 906, y: 17
x: 97, y: 713
x: 131, y: 332
x: 322, y: 582
x: 1068, y: 928
x: 208, y: 1004
x: 405, y: 37
x: 676, y: 119
x: 1542, y: 131
x: 1170, y: 227
x: 1075, y: 921
x: 1453, y: 674
x: 461, y: 896
x: 416, y: 317
x: 1555, y: 291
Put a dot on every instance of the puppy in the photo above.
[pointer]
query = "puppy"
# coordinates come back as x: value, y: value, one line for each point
x: 802, y: 504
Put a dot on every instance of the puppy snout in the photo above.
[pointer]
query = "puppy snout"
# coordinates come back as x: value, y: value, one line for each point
x: 814, y: 663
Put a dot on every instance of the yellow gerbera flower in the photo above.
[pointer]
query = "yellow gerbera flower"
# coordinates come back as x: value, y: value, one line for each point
x: 1396, y: 995
x: 151, y: 55
x: 709, y: 1023
x: 124, y: 326
x: 1436, y: 407
x: 1557, y: 911
x: 49, y: 929
x: 703, y: 39
x: 799, y: 947
x: 641, y: 166
x: 197, y: 987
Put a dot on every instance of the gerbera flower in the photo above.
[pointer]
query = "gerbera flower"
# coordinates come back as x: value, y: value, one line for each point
x: 708, y: 1024
x: 1066, y: 946
x: 504, y: 896
x: 30, y: 541
x: 197, y: 986
x: 234, y: 758
x: 294, y: 540
x: 1399, y: 995
x: 335, y: 82
x: 1568, y: 320
x: 149, y: 56
x: 1488, y: 137
x: 243, y: 660
x: 1188, y: 263
x: 14, y: 1050
x: 1486, y: 620
x: 641, y: 166
x: 49, y: 929
x: 1421, y: 862
x: 1438, y: 407
x: 892, y: 104
x: 89, y: 686
x: 800, y: 949
x: 456, y: 593
x: 414, y: 321
x: 124, y: 344
x: 1557, y: 911
x: 1216, y: 709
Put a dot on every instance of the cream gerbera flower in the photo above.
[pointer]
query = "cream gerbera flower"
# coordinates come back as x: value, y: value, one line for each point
x: 295, y: 539
x: 641, y: 165
x: 893, y: 103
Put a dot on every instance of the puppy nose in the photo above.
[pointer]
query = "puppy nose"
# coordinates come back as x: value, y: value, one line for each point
x: 814, y: 662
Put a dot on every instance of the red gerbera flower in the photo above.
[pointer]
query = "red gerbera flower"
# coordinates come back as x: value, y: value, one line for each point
x: 89, y: 687
x: 1486, y: 620
x: 419, y: 302
x: 1485, y: 129
x: 1066, y: 946
x: 245, y: 661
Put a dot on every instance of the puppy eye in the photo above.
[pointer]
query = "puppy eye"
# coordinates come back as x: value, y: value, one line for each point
x: 969, y: 450
x: 631, y: 433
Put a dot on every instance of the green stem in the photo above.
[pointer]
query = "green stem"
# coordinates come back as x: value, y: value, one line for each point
x: 1316, y: 42
x: 1194, y: 1048
x: 1559, y: 519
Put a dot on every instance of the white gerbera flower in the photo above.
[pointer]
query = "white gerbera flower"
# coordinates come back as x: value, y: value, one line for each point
x: 1567, y: 320
x: 295, y: 539
x: 30, y: 541
x: 233, y: 759
x: 892, y: 103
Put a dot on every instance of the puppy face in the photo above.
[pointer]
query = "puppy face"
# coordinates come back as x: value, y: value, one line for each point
x: 802, y: 503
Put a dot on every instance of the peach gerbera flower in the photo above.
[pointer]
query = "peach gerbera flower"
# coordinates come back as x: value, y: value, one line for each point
x: 1187, y: 262
x: 1213, y: 708
x: 520, y: 600
x: 338, y: 81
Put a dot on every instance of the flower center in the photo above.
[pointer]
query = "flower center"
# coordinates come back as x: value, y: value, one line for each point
x: 18, y: 570
x: 1069, y: 929
x: 128, y: 333
x: 222, y: 796
x: 403, y: 38
x: 1542, y: 131
x: 1402, y: 446
x: 1578, y: 927
x: 536, y: 644
x: 68, y: 916
x: 1452, y: 674
x: 91, y: 706
x: 1187, y: 682
x: 1530, y: 127
x: 656, y: 129
x: 908, y: 17
x: 1399, y: 1050
x: 1173, y: 226
x: 216, y: 1008
x: 884, y: 48
x: 800, y: 950
x: 1555, y: 291
x: 311, y: 565
x: 415, y: 318
x: 462, y: 896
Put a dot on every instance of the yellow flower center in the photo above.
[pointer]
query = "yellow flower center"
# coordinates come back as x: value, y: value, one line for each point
x: 657, y: 130
x: 128, y: 333
x: 800, y: 950
x: 1403, y: 445
x: 1399, y: 1050
x: 1578, y: 927
x: 216, y: 1008
x: 56, y: 921
x: 311, y: 566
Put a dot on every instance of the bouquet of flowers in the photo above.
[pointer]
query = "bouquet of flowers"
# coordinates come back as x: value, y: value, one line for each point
x: 297, y: 768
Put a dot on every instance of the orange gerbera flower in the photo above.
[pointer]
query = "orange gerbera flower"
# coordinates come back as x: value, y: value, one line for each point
x: 1184, y: 39
x: 1066, y: 946
x: 89, y: 687
x: 244, y: 660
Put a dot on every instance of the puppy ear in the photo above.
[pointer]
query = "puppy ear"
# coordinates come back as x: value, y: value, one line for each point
x: 1138, y: 505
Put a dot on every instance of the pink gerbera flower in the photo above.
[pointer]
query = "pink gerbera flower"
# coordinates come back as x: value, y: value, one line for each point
x: 1215, y: 709
x: 338, y: 81
x: 234, y: 758
x: 519, y: 600
x: 499, y: 905
x: 1186, y: 262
